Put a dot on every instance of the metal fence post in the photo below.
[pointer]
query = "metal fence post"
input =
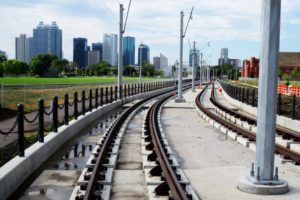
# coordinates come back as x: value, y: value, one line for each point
x: 125, y: 91
x: 121, y: 91
x: 96, y: 98
x: 2, y: 95
x: 101, y: 96
x: 243, y: 95
x: 83, y: 102
x: 247, y: 96
x: 116, y: 93
x: 75, y: 105
x: 253, y: 98
x: 279, y: 104
x: 106, y: 95
x: 294, y: 107
x: 55, y: 113
x: 41, y: 121
x: 66, y: 109
x: 111, y: 94
x: 21, y: 144
x: 91, y: 100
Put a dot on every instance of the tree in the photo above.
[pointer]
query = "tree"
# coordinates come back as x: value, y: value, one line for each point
x: 14, y: 67
x: 100, y: 69
x: 129, y: 71
x: 61, y: 65
x: 1, y: 70
x: 3, y: 58
x: 295, y: 75
x: 41, y: 63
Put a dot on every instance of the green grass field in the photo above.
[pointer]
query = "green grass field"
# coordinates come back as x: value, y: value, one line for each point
x: 70, y: 80
x: 36, y: 88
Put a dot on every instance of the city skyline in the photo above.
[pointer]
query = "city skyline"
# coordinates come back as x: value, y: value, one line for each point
x: 156, y: 23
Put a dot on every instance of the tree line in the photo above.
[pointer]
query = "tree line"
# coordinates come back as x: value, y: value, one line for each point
x: 49, y: 62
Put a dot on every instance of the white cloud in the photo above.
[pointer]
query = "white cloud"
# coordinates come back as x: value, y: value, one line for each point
x: 155, y: 22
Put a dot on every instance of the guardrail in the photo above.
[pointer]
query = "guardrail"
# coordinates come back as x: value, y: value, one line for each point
x: 92, y: 101
x: 287, y: 105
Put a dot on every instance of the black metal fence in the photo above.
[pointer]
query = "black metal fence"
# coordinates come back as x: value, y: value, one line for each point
x: 93, y: 100
x: 288, y: 106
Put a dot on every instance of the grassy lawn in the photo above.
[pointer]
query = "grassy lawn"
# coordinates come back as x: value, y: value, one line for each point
x: 70, y: 80
x: 36, y: 88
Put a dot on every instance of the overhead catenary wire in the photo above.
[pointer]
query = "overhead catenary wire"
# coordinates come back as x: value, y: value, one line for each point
x: 110, y: 10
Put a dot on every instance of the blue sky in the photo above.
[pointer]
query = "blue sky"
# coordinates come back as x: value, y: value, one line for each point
x: 234, y: 24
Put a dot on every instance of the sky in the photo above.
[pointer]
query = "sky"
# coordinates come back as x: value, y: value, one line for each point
x: 232, y: 24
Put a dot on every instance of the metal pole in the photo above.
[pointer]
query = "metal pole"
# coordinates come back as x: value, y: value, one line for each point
x: 140, y: 73
x: 201, y: 71
x: 179, y: 97
x: 120, y: 62
x: 2, y: 95
x: 267, y: 88
x: 193, y: 67
x: 263, y: 180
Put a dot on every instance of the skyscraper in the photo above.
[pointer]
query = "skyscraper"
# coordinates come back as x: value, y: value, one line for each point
x: 98, y: 47
x: 143, y: 54
x: 224, y: 57
x: 197, y: 58
x: 22, y: 48
x: 110, y: 45
x: 47, y: 39
x: 163, y: 61
x: 93, y: 57
x: 80, y: 52
x: 128, y: 51
x: 156, y: 62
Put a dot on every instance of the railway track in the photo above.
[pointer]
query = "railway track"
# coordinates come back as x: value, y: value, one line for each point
x: 221, y: 118
x: 93, y: 179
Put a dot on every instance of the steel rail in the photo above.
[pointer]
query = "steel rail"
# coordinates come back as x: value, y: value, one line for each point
x: 93, y: 185
x: 286, y: 133
x: 287, y: 153
x: 169, y: 175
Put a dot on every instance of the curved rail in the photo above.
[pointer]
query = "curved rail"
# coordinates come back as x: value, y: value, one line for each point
x: 171, y: 181
x: 287, y: 134
x: 287, y: 153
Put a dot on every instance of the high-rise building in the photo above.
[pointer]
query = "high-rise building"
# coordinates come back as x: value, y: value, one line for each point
x: 22, y: 48
x: 143, y: 54
x: 98, y: 47
x: 160, y: 62
x: 80, y: 52
x: 110, y: 45
x: 224, y: 57
x: 93, y: 57
x: 156, y: 62
x: 128, y: 51
x: 47, y: 39
x: 163, y: 61
x: 197, y: 58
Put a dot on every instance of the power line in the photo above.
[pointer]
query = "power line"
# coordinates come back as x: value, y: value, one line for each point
x: 127, y: 16
x: 109, y: 10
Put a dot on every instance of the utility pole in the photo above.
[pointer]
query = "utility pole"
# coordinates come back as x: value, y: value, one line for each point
x: 122, y: 28
x: 262, y: 179
x: 180, y: 98
x: 193, y: 67
x: 120, y: 57
x: 201, y: 70
x: 140, y: 76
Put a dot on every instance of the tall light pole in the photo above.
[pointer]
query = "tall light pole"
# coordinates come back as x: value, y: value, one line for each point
x: 194, y: 66
x: 262, y: 179
x: 120, y: 57
x: 179, y: 98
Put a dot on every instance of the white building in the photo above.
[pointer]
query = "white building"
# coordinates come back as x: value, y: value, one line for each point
x: 93, y: 57
x: 22, y: 49
x: 110, y: 45
x: 163, y: 61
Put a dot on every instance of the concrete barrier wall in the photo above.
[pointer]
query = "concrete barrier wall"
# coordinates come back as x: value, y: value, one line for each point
x: 281, y: 120
x: 16, y: 171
